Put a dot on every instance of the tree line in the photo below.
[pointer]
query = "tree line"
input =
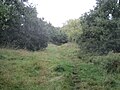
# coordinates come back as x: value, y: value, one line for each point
x: 20, y: 28
x: 97, y: 31
x: 101, y: 28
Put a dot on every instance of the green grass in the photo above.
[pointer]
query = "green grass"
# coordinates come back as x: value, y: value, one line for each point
x: 94, y: 75
x: 24, y: 70
x: 51, y: 70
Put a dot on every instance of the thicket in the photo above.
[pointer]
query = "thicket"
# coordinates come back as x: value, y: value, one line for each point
x: 99, y: 41
x: 19, y: 26
x: 72, y: 29
x: 110, y: 62
x: 101, y: 28
x: 56, y: 35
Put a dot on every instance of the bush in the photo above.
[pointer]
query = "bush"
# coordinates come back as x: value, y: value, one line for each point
x: 112, y: 66
x: 101, y: 33
x: 20, y: 28
x: 55, y: 35
x: 111, y: 62
x: 59, y: 38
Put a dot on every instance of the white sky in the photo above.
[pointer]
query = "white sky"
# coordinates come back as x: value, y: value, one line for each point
x: 59, y: 11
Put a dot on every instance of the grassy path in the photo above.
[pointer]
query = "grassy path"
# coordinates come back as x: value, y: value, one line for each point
x: 75, y: 78
x: 41, y: 70
x: 56, y: 68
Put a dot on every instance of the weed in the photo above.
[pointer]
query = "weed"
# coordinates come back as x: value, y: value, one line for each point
x: 59, y: 68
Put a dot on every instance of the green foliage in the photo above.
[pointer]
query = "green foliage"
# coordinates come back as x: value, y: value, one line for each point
x: 20, y: 27
x: 20, y: 69
x: 111, y: 62
x: 35, y: 70
x: 110, y: 82
x: 100, y: 72
x: 73, y: 29
x: 59, y: 38
x: 59, y: 68
x: 55, y: 35
x: 113, y: 66
x: 101, y: 28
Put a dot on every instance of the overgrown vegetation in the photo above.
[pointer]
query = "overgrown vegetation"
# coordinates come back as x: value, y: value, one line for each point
x: 44, y: 70
x: 101, y: 28
x: 73, y: 29
x: 20, y: 27
x: 92, y: 65
x: 52, y: 68
x: 55, y: 35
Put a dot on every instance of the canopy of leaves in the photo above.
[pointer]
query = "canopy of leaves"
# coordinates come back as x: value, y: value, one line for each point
x: 101, y: 28
x: 20, y: 27
x: 73, y: 29
x: 55, y: 35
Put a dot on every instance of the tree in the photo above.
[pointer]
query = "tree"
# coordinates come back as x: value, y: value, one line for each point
x: 101, y: 28
x: 73, y: 29
x: 20, y: 27
x: 55, y: 35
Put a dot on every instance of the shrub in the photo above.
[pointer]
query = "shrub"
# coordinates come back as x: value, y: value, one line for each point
x: 111, y: 62
x: 101, y: 33
x: 59, y: 37
x: 20, y: 28
x: 112, y: 66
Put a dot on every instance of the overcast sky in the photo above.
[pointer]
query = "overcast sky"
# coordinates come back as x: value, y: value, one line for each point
x: 59, y: 11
